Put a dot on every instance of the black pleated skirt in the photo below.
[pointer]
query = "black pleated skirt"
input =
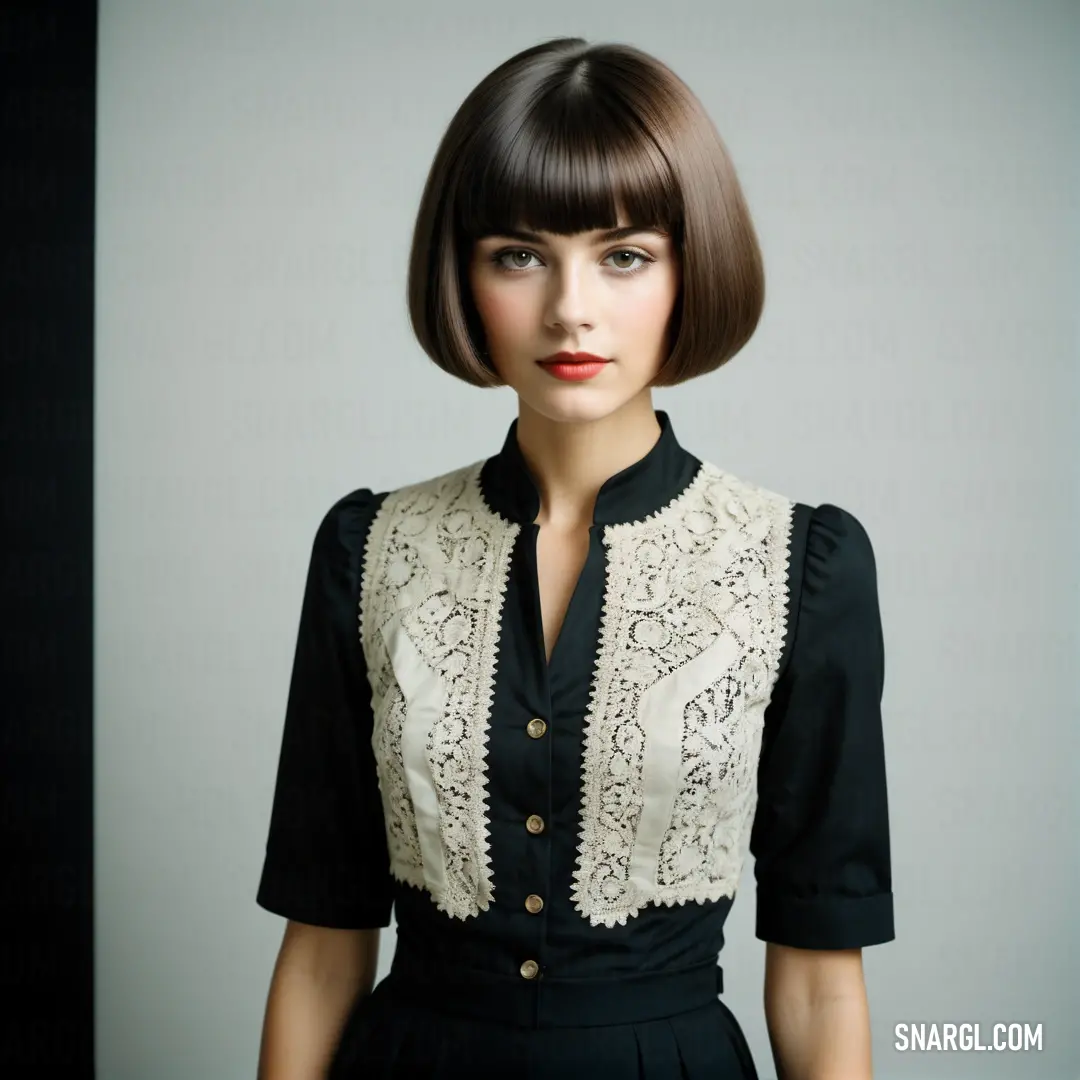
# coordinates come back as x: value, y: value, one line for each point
x: 416, y: 1025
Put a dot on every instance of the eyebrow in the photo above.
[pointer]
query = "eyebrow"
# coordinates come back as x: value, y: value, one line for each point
x: 619, y: 233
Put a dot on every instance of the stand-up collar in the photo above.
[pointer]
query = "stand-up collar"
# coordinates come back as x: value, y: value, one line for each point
x: 632, y: 494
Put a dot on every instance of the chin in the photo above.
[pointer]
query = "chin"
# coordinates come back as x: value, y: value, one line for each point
x: 575, y: 404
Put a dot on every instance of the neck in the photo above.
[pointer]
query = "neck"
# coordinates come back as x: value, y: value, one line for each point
x: 570, y: 461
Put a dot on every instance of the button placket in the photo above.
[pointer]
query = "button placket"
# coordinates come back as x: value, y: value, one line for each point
x: 534, y: 904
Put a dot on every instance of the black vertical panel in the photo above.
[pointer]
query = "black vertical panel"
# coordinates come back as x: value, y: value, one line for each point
x: 47, y: 123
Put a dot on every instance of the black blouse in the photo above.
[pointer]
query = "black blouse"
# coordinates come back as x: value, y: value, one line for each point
x: 820, y: 835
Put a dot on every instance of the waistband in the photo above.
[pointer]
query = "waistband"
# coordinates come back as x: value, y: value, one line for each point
x: 548, y: 1001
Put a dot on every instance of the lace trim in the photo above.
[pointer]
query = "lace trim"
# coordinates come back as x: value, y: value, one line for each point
x: 436, y: 568
x: 695, y: 609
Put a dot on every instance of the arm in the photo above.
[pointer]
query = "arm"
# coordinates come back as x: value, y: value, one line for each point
x: 817, y: 1013
x: 320, y: 973
x: 821, y: 829
x: 326, y: 868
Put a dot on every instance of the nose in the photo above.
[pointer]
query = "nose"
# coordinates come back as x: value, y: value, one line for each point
x: 571, y: 299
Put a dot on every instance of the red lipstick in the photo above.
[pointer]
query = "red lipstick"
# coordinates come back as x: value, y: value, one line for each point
x: 573, y: 367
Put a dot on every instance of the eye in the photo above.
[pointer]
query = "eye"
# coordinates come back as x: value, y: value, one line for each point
x: 645, y: 259
x: 498, y: 257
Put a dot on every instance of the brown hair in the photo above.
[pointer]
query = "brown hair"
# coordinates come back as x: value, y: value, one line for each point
x: 558, y: 138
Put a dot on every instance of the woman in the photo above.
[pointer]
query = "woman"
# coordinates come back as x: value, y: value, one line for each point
x: 543, y: 704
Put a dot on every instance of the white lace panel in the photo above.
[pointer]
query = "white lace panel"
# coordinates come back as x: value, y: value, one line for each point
x: 435, y: 573
x: 694, y: 617
x: 692, y: 630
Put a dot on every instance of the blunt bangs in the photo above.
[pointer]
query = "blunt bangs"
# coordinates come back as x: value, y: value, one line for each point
x: 566, y: 165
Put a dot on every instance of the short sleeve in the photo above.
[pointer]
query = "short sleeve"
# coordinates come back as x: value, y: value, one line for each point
x: 820, y: 837
x: 326, y: 859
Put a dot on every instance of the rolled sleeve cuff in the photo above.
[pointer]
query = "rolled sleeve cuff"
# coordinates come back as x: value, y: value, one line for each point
x: 275, y: 896
x: 825, y: 922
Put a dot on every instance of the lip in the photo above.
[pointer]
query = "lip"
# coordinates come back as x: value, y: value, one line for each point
x: 574, y: 358
x: 573, y: 367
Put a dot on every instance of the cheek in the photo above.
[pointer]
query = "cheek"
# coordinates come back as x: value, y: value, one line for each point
x: 503, y: 312
x: 648, y: 313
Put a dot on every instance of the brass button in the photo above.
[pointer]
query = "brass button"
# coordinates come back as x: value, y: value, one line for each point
x: 530, y: 969
x: 535, y: 824
x: 533, y: 903
x: 536, y: 728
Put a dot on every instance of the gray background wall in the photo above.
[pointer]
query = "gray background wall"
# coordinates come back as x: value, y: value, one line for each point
x: 912, y: 169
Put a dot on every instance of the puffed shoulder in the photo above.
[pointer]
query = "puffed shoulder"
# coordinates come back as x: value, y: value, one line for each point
x: 346, y: 523
x: 839, y: 579
x: 839, y: 555
x: 341, y: 537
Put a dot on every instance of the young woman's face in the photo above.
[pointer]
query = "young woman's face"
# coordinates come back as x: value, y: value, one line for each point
x: 613, y: 297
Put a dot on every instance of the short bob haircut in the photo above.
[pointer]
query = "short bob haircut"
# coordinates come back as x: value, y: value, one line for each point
x: 559, y: 138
